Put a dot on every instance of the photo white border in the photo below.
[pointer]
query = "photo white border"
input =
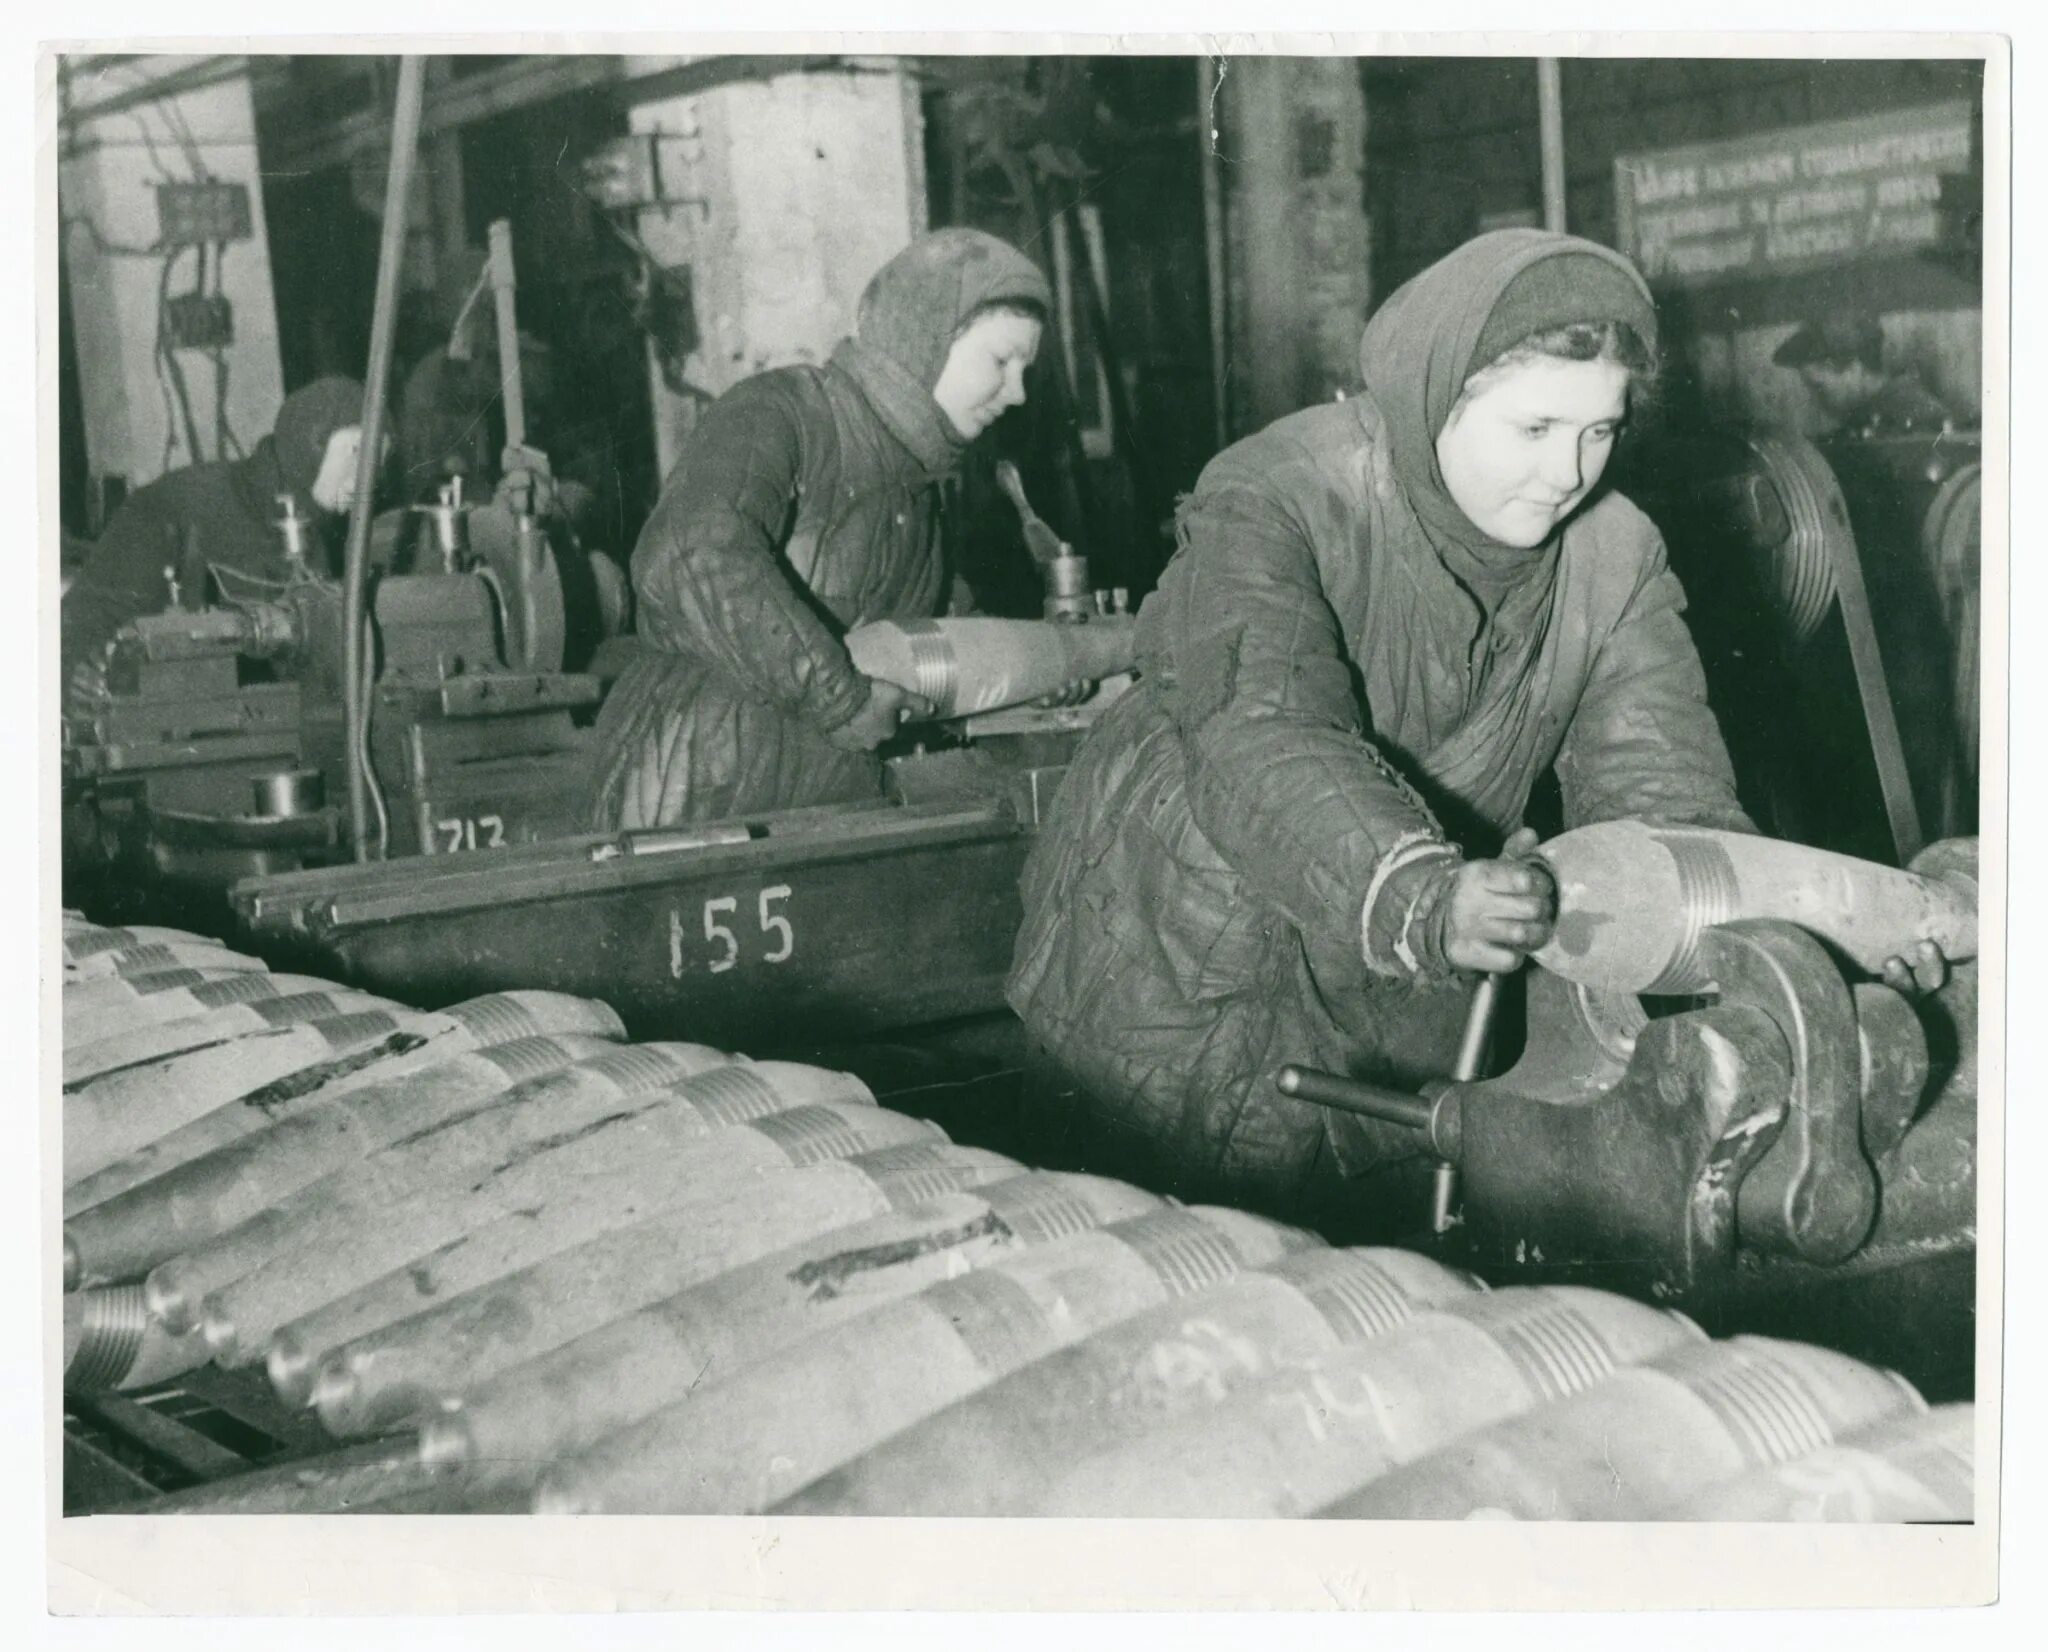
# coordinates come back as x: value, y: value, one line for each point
x: 478, y: 1564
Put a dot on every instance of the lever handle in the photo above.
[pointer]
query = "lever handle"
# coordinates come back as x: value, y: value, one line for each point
x: 1425, y: 1112
x: 1013, y: 484
x: 1044, y: 545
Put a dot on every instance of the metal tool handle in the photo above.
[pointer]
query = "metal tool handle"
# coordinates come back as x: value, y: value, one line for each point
x: 1355, y: 1095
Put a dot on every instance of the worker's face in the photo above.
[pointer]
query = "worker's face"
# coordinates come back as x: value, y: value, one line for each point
x: 1841, y: 390
x: 334, y: 489
x: 984, y: 374
x: 1520, y: 454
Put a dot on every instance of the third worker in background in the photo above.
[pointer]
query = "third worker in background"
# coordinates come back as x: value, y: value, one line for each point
x: 1841, y: 362
x: 805, y: 503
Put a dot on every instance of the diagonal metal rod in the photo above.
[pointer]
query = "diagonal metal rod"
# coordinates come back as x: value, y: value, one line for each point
x: 405, y: 131
x: 1550, y: 121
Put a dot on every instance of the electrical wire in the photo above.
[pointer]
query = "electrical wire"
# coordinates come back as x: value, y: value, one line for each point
x: 163, y: 381
x: 369, y: 769
x: 168, y: 362
x: 174, y: 117
x: 170, y: 373
x: 149, y: 142
x: 226, y: 444
x: 225, y: 441
x: 238, y: 588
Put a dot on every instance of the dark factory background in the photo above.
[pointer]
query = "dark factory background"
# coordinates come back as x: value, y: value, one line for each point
x: 1423, y: 153
x: 1228, y: 282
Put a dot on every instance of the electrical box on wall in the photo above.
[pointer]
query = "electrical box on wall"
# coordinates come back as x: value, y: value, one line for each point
x: 199, y: 321
x: 201, y: 214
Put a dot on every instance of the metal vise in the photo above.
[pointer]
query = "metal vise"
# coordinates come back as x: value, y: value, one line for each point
x: 1764, y: 1125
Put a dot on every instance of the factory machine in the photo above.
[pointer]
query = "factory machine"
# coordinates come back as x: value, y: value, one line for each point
x: 201, y: 786
x: 211, y: 753
x: 1833, y: 590
x: 1714, y: 1105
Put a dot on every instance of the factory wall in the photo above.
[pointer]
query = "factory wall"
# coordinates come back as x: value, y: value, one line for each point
x: 787, y: 193
x: 149, y: 405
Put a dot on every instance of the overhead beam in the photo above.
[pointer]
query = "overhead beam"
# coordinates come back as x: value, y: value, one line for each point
x: 454, y: 103
x: 522, y: 83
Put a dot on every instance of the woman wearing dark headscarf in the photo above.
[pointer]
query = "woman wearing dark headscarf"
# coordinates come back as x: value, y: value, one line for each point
x: 806, y: 503
x: 1389, y: 616
x: 229, y: 508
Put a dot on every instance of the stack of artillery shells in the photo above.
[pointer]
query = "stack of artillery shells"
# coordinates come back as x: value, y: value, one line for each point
x: 511, y: 1262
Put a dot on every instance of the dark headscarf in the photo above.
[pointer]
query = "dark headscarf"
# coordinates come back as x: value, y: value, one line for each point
x: 288, y: 459
x: 1457, y: 316
x: 307, y: 423
x: 905, y: 327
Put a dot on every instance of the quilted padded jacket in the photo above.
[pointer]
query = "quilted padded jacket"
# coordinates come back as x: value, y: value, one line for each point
x: 793, y: 517
x: 1225, y: 882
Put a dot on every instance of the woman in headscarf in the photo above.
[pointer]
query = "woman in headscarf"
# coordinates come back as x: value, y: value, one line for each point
x: 806, y: 503
x: 228, y: 508
x: 1300, y: 837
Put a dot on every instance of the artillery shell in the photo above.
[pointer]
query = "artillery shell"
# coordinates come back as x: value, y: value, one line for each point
x: 430, y: 1360
x: 159, y: 1040
x: 435, y: 1155
x: 121, y: 1110
x: 1644, y: 1439
x: 571, y: 1200
x: 227, y: 1165
x: 997, y: 1451
x: 111, y: 1342
x: 694, y: 1144
x: 520, y: 1424
x: 1904, y: 1469
x: 1289, y: 1442
x: 98, y: 1009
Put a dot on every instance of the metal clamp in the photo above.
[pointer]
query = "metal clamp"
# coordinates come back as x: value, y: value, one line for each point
x: 1814, y: 1194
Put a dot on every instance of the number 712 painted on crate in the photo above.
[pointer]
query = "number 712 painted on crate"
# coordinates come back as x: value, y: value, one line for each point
x: 711, y: 938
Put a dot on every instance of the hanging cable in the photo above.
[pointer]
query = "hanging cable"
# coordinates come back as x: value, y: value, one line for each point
x: 225, y: 442
x: 163, y: 369
x: 167, y: 357
x: 366, y: 763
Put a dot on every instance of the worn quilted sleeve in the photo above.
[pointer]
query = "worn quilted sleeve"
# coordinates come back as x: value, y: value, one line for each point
x: 707, y: 571
x: 1643, y: 744
x: 1282, y: 778
x: 123, y: 579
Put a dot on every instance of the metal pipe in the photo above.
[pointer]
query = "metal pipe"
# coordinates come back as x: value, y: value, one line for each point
x: 405, y: 130
x: 1355, y: 1095
x: 1471, y: 1058
x: 1208, y: 87
x: 1478, y: 1029
x: 504, y: 281
x: 1550, y: 119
